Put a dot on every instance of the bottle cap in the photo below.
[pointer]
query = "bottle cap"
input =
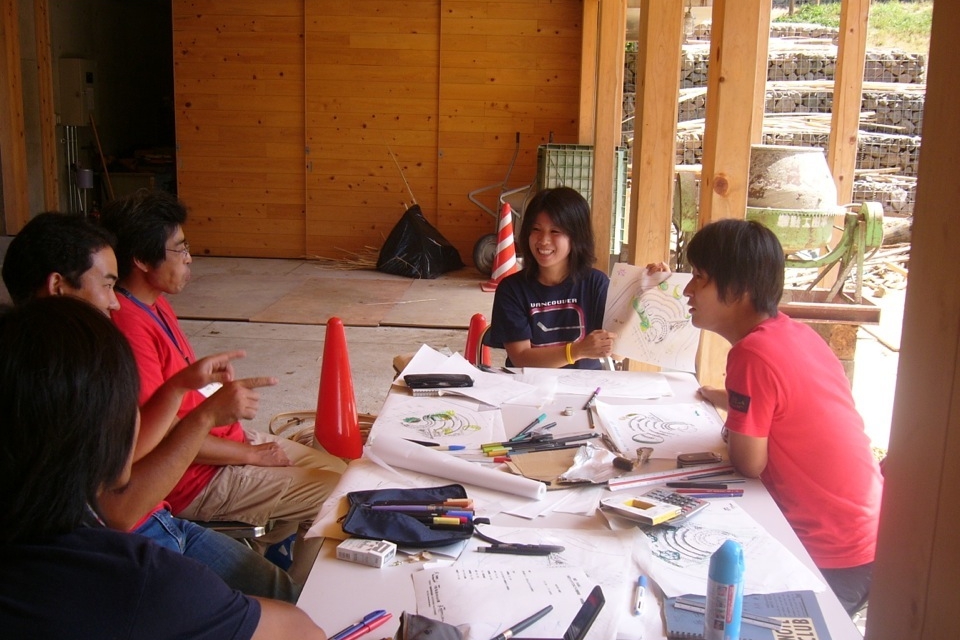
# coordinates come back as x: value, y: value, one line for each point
x: 726, y: 563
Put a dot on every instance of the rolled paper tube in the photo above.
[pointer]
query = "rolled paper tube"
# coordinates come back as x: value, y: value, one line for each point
x: 404, y: 454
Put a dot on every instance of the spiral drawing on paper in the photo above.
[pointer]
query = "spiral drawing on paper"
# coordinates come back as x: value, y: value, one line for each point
x: 648, y: 428
x: 441, y: 424
x: 686, y: 545
x: 660, y: 316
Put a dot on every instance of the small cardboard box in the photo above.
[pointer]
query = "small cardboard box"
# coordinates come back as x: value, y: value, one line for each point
x: 373, y: 553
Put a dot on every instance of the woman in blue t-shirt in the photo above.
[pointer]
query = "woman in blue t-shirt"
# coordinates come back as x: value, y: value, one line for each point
x: 550, y: 314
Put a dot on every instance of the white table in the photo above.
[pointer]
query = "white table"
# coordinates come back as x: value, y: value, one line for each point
x: 338, y: 593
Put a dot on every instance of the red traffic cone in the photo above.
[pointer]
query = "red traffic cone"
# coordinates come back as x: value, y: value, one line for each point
x: 505, y: 262
x: 337, y: 428
x: 478, y: 324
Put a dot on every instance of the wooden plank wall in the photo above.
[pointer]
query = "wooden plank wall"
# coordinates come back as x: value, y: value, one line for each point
x: 287, y: 112
x: 239, y: 91
x: 16, y: 205
x: 506, y: 67
x: 371, y: 89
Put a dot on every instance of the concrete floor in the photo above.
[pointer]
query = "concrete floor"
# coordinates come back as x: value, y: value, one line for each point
x: 292, y: 352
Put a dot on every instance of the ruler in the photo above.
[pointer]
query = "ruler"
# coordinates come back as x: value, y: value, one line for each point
x: 659, y: 477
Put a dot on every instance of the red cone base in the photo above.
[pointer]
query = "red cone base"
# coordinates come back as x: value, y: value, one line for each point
x: 505, y: 262
x: 337, y: 428
x: 477, y: 325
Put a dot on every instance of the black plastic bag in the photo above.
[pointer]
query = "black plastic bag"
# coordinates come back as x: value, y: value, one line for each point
x: 416, y: 249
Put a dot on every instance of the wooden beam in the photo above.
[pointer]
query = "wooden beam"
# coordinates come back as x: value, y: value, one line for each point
x: 588, y: 70
x: 917, y: 573
x: 13, y: 148
x: 731, y: 83
x: 610, y: 58
x: 847, y: 96
x: 762, y: 69
x: 655, y: 129
x: 48, y: 117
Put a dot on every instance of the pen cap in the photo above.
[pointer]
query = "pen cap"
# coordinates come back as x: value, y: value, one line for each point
x: 724, y: 593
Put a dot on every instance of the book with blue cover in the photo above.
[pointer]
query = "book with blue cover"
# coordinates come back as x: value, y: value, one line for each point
x: 798, y: 612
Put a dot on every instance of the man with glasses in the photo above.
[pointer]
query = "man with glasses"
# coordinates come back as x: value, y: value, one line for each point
x: 61, y: 254
x: 238, y: 474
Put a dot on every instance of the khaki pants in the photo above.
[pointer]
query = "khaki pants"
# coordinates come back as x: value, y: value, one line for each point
x: 291, y: 496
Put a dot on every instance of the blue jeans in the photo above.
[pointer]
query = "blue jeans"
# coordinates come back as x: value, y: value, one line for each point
x: 239, y: 566
x: 852, y: 586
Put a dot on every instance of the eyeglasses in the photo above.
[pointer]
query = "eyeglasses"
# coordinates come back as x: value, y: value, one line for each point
x: 184, y: 253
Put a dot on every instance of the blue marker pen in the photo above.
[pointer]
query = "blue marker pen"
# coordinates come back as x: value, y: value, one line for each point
x: 641, y: 591
x: 724, y: 604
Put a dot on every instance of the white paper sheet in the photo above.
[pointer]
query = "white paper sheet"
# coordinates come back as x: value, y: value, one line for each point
x: 444, y: 420
x: 670, y: 429
x: 639, y: 385
x: 484, y: 603
x: 489, y: 388
x: 401, y: 453
x: 651, y: 318
x: 680, y: 557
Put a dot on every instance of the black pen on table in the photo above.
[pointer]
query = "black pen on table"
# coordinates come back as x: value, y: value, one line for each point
x: 683, y: 484
x: 522, y: 549
x: 593, y: 396
x: 523, y: 624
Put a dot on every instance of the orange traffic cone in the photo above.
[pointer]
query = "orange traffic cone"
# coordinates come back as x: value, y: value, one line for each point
x: 505, y: 262
x: 337, y: 428
x: 478, y: 324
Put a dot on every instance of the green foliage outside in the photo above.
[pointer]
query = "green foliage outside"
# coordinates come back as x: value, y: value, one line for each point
x: 892, y: 23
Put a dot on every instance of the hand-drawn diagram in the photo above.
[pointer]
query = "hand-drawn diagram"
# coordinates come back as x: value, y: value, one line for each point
x: 647, y: 428
x: 441, y: 419
x: 688, y: 545
x: 670, y: 429
x: 681, y: 554
x: 651, y: 318
x: 440, y: 424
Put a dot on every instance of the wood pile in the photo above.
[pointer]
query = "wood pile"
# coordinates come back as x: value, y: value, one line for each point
x: 886, y: 269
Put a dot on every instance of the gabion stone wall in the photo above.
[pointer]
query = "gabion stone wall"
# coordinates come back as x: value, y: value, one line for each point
x: 794, y: 30
x: 807, y: 62
x: 884, y: 111
x: 801, y: 61
x: 895, y: 191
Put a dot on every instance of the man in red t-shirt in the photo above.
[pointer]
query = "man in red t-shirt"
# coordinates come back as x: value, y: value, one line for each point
x: 791, y: 418
x: 238, y: 474
x: 60, y: 254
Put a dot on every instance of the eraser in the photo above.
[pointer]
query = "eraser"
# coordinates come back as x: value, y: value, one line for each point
x: 373, y: 553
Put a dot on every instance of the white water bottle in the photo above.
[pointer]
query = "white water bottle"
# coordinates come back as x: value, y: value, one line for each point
x: 724, y: 593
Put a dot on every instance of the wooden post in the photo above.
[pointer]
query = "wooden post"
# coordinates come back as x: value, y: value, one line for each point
x: 762, y: 69
x: 917, y: 572
x: 655, y: 129
x: 48, y: 118
x: 588, y: 70
x: 737, y: 30
x: 13, y: 148
x: 848, y: 96
x: 607, y: 132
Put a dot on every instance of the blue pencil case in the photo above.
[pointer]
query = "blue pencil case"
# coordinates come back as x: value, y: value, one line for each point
x: 400, y: 527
